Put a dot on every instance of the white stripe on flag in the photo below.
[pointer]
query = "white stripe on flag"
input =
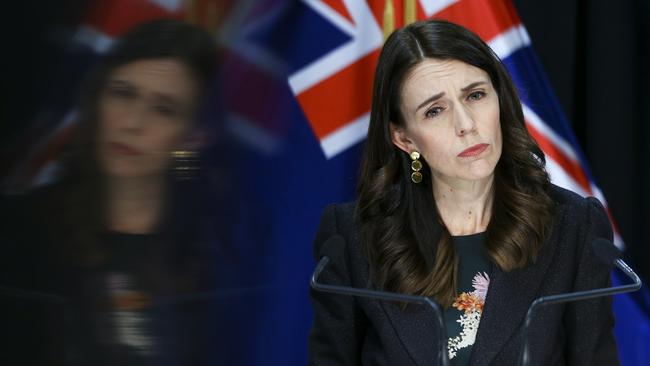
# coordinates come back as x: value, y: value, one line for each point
x: 561, y: 178
x: 368, y: 38
x: 566, y: 148
x: 252, y: 134
x: 506, y: 43
x: 433, y: 6
x: 93, y: 38
x: 169, y: 5
x: 346, y: 136
x: 333, y: 16
x: 618, y: 240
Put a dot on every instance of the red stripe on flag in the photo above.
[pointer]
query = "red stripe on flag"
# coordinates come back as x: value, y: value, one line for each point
x: 339, y: 7
x: 341, y: 98
x: 612, y: 221
x: 572, y: 168
x: 346, y: 95
x: 488, y: 18
x: 248, y: 93
x: 48, y: 153
x: 115, y: 17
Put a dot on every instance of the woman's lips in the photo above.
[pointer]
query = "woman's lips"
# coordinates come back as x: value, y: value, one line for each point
x: 122, y: 149
x: 473, y: 150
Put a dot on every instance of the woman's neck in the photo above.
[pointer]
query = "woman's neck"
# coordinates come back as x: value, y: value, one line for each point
x: 134, y: 205
x: 465, y: 206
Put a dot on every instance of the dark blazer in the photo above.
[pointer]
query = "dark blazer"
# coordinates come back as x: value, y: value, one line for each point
x: 357, y: 331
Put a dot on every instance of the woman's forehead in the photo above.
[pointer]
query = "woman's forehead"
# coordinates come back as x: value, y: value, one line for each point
x: 445, y: 77
x: 168, y: 76
x: 436, y: 71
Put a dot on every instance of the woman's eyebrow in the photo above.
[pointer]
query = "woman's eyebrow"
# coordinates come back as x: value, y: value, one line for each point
x: 439, y: 95
x: 429, y: 100
x: 473, y: 85
x: 118, y: 82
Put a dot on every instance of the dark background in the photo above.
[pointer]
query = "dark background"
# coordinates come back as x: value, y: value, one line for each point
x: 596, y: 54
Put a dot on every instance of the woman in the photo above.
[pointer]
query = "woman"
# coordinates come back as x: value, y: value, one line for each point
x: 454, y: 203
x: 130, y: 229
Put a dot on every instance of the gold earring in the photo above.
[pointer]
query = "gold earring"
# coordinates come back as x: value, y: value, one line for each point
x: 185, y: 164
x: 416, y: 166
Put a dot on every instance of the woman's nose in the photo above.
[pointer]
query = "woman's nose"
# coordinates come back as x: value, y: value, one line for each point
x: 464, y: 121
x: 133, y: 118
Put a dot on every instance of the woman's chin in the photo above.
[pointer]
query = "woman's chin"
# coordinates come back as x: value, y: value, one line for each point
x: 480, y: 170
x: 127, y: 172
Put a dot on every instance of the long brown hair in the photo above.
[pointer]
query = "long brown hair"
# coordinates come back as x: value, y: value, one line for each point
x: 407, y: 244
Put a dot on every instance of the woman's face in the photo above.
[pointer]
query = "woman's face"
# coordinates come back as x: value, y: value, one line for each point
x: 451, y: 113
x: 145, y: 111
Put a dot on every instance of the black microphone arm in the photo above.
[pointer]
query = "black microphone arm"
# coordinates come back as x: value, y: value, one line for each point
x: 388, y: 296
x: 600, y: 245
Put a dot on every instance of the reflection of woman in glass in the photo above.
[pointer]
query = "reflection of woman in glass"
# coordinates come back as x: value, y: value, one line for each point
x: 126, y: 233
x: 454, y: 203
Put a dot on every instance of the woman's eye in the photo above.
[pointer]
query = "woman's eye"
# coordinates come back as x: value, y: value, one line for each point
x: 121, y: 93
x: 432, y: 112
x: 164, y: 110
x: 477, y: 95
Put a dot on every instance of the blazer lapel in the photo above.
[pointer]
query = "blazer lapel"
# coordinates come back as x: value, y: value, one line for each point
x: 508, y: 298
x: 415, y: 327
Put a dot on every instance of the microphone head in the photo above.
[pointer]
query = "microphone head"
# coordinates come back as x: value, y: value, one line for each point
x: 605, y: 251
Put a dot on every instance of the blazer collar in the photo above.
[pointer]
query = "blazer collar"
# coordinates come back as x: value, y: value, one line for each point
x: 415, y: 327
x: 508, y: 298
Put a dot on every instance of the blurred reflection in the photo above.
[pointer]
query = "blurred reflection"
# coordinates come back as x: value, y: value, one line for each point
x: 107, y: 266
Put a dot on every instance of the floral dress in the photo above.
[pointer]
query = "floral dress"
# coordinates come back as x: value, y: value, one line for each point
x: 463, y: 317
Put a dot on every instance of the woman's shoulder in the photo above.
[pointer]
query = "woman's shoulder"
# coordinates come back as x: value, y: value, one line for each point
x: 586, y: 214
x: 341, y: 215
x: 567, y: 199
x: 338, y: 219
x: 563, y: 196
x: 341, y: 210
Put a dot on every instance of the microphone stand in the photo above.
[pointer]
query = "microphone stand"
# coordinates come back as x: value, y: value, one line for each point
x: 389, y: 296
x: 575, y: 296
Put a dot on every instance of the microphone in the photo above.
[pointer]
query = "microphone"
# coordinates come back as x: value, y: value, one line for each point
x: 608, y: 254
x: 337, y: 243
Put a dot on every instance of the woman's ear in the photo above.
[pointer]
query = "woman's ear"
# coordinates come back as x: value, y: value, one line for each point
x: 400, y: 139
